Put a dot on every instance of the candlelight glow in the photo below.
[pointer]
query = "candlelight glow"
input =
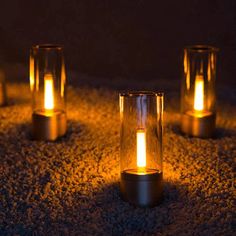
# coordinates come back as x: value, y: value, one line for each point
x: 186, y: 71
x: 48, y: 92
x: 31, y: 74
x: 141, y: 149
x: 121, y: 103
x: 199, y: 93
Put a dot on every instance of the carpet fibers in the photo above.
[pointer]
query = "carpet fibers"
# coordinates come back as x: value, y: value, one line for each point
x: 71, y: 186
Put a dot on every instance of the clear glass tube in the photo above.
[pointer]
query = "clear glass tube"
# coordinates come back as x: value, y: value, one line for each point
x: 141, y: 146
x: 47, y: 66
x: 47, y: 83
x: 198, y: 99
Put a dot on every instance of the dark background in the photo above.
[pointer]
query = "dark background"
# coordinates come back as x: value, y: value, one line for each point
x: 118, y: 38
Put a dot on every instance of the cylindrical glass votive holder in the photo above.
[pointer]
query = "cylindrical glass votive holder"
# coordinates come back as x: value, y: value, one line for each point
x: 141, y: 147
x: 47, y: 83
x: 198, y: 99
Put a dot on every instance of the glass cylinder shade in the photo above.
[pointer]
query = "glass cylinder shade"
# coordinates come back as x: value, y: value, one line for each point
x: 198, y: 99
x: 47, y: 83
x: 141, y: 147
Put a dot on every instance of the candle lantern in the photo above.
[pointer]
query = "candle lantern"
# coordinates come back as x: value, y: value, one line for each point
x: 47, y: 83
x: 141, y: 147
x: 198, y: 110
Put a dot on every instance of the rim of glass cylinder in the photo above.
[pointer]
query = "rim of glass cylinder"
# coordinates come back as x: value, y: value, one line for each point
x: 47, y: 46
x: 201, y: 48
x: 141, y: 93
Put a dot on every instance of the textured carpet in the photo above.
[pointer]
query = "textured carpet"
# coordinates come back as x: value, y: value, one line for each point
x: 70, y: 187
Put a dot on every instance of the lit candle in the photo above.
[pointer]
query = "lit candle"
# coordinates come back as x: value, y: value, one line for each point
x: 198, y: 101
x: 199, y: 93
x: 49, y: 123
x: 48, y: 93
x: 197, y: 97
x: 49, y: 116
x: 31, y: 71
x: 198, y: 121
x: 141, y: 150
x: 141, y: 168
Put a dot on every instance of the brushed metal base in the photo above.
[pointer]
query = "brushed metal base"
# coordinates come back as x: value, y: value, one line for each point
x: 48, y: 127
x: 202, y: 127
x: 142, y: 190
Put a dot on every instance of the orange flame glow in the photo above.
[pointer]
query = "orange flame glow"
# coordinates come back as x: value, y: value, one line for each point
x: 199, y: 93
x: 141, y: 149
x: 48, y: 92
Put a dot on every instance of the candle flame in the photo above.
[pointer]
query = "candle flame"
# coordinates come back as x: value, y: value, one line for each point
x: 48, y: 92
x: 199, y: 93
x: 31, y: 74
x: 141, y: 148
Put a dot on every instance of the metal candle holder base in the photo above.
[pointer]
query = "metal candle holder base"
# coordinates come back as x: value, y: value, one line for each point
x: 142, y: 190
x: 202, y: 127
x: 48, y: 127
